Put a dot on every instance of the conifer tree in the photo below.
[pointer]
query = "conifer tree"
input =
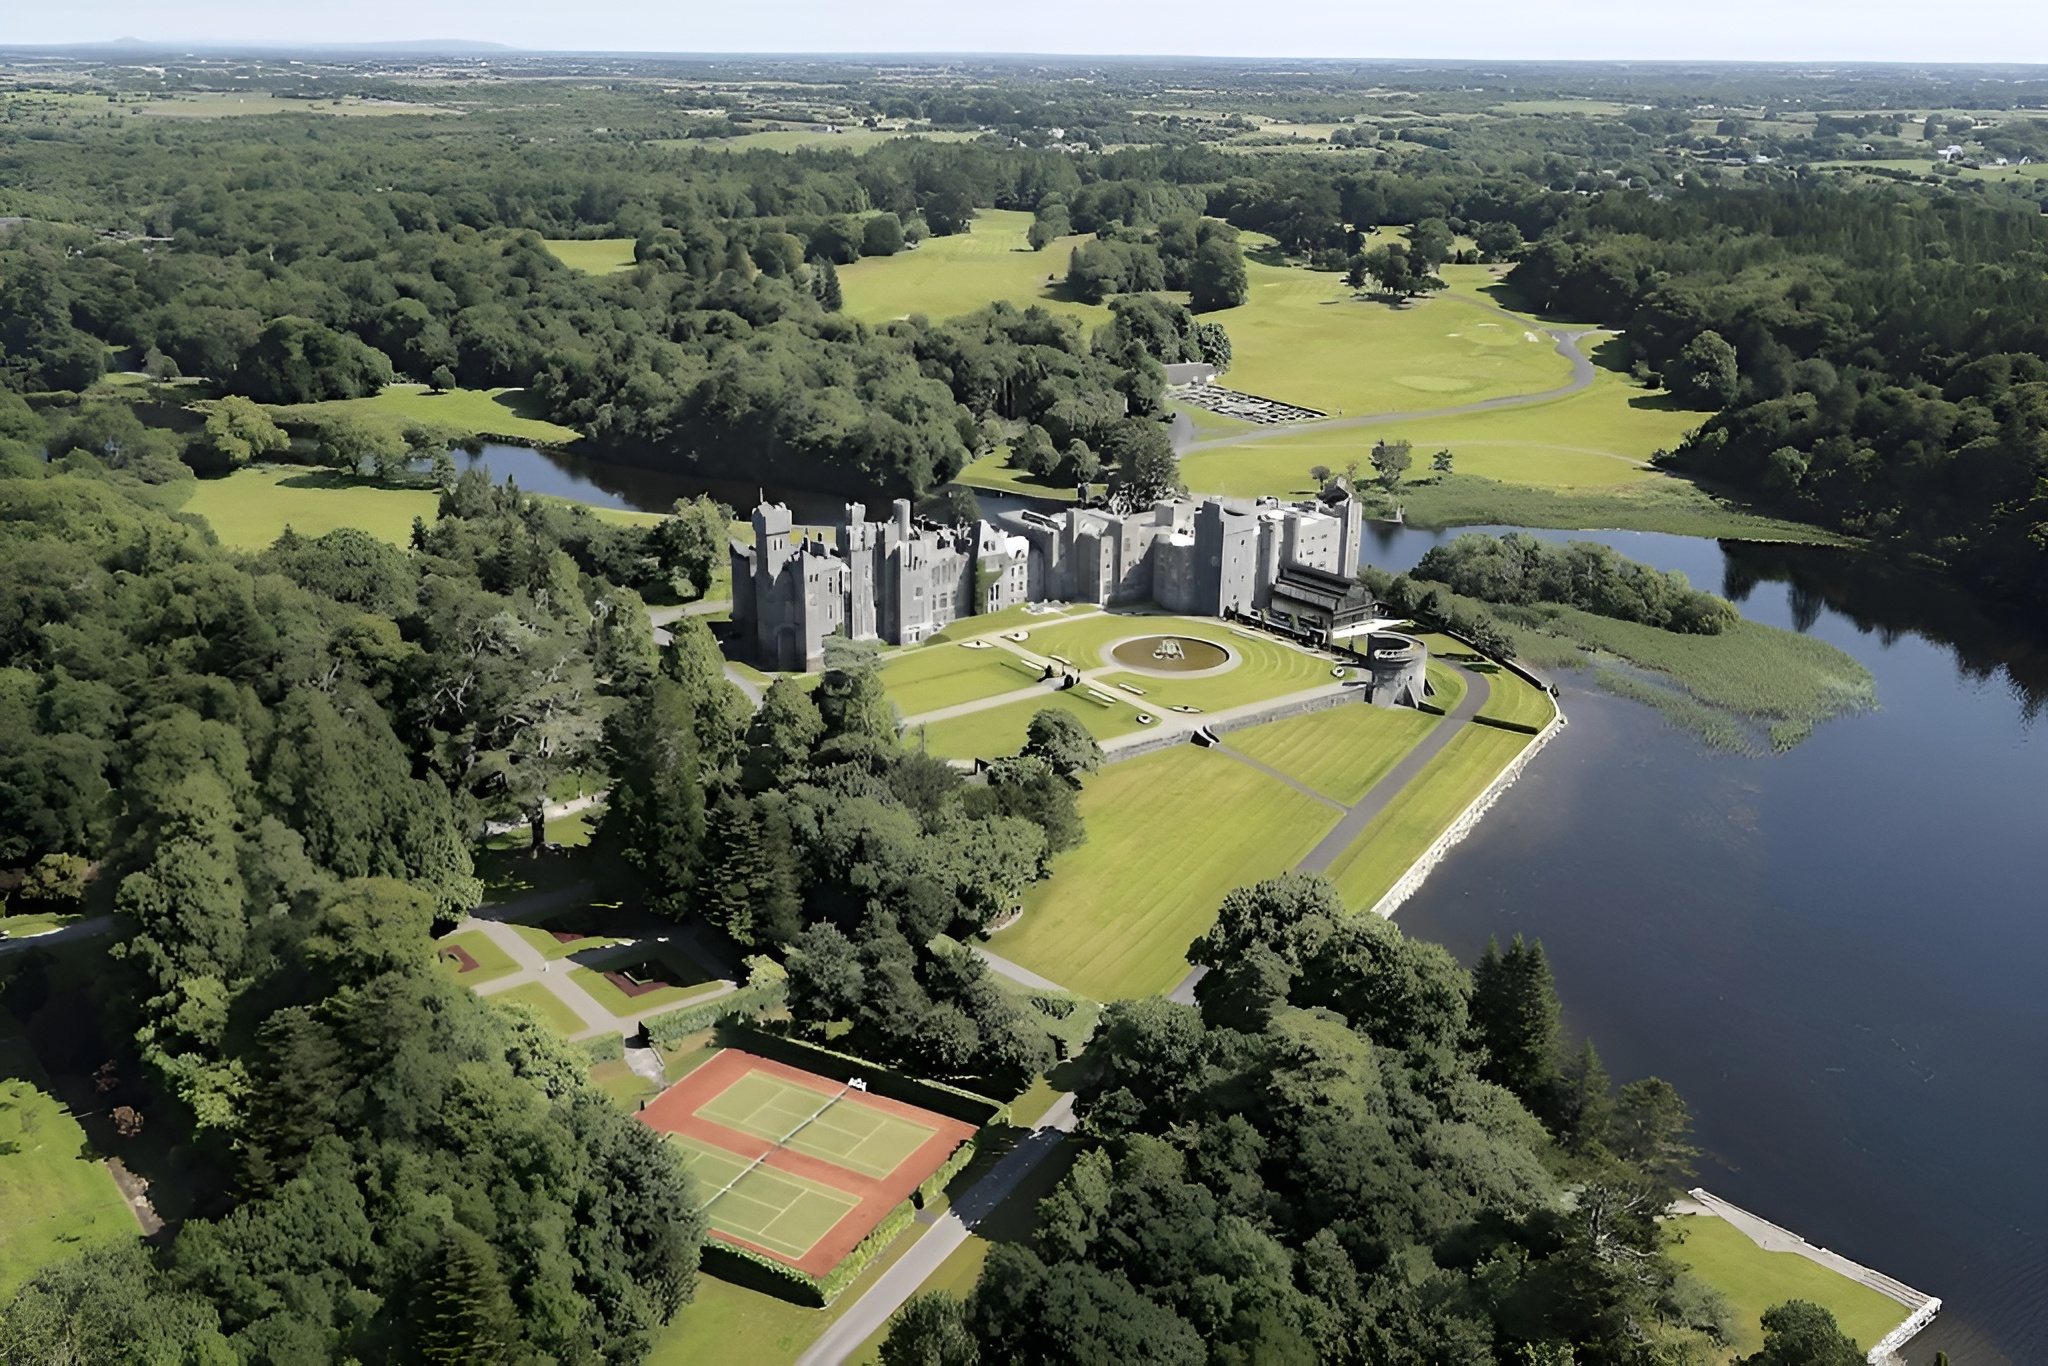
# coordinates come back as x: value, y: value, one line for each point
x: 466, y: 1306
x: 1514, y: 1015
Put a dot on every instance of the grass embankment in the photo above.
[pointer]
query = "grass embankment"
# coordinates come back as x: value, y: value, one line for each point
x: 250, y: 509
x: 1341, y: 752
x: 1168, y: 835
x: 534, y: 996
x: 946, y: 277
x: 1754, y: 1280
x: 592, y: 255
x: 513, y: 413
x: 56, y: 1199
x: 945, y: 675
x: 1421, y: 811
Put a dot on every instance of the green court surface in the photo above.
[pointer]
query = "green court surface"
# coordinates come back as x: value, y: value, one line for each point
x: 772, y: 1209
x: 840, y: 1131
x: 1341, y: 752
x: 935, y: 676
x: 1169, y: 834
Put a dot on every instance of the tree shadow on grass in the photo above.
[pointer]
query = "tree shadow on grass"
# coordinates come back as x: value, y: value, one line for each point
x: 523, y: 403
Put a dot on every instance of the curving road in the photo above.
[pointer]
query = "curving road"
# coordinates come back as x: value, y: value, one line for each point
x: 1565, y: 339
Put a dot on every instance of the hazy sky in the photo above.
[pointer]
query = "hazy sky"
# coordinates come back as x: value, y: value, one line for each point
x: 2003, y: 31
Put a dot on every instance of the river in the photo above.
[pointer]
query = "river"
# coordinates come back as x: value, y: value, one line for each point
x: 1836, y: 954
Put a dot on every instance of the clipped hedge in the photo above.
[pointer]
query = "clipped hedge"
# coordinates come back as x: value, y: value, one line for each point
x: 936, y: 1096
x: 757, y: 1271
x: 748, y: 1001
x: 933, y: 1186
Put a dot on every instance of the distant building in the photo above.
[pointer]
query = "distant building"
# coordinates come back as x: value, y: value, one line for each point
x: 1290, y: 565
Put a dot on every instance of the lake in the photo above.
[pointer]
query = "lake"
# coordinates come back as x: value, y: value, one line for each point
x: 1837, y: 954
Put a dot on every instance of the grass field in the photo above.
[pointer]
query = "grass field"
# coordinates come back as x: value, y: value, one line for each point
x: 250, y: 508
x: 535, y: 996
x: 492, y: 962
x: 1341, y: 752
x: 771, y: 1209
x: 1754, y: 1280
x: 998, y: 731
x: 1266, y: 668
x: 1168, y: 835
x: 56, y: 1199
x: 993, y: 473
x: 593, y: 255
x: 479, y: 412
x: 687, y: 978
x: 817, y: 1123
x: 28, y: 925
x: 935, y: 676
x: 1304, y: 337
x: 1420, y: 812
x: 1511, y: 698
x: 946, y: 277
x: 541, y: 941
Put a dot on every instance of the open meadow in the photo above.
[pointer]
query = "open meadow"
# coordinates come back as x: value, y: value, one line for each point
x: 1754, y: 1280
x: 56, y: 1198
x: 1168, y: 835
x: 511, y: 413
x: 592, y: 255
x: 946, y: 277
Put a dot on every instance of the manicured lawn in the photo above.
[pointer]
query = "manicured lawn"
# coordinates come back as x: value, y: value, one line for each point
x: 1755, y: 1280
x: 1595, y: 439
x: 1168, y: 835
x: 56, y: 1200
x: 622, y: 1085
x: 1019, y: 618
x: 687, y: 978
x: 1268, y: 670
x: 1305, y: 338
x: 251, y: 508
x: 997, y: 731
x: 993, y: 472
x: 28, y: 926
x: 492, y: 962
x: 547, y: 946
x: 936, y: 676
x: 535, y: 996
x: 1341, y: 752
x: 1385, y: 849
x: 593, y: 255
x: 946, y: 277
x: 482, y: 412
x: 1512, y: 699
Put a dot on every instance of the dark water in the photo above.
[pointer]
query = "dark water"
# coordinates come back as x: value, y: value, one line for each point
x: 1836, y: 954
x: 604, y: 484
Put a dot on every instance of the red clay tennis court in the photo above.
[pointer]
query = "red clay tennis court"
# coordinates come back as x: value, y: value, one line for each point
x: 795, y: 1165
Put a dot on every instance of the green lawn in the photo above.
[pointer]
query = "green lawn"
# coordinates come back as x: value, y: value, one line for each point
x: 946, y: 277
x: 688, y: 978
x: 1304, y: 337
x: 1341, y: 752
x: 997, y: 731
x: 1513, y: 699
x: 29, y: 925
x: 593, y: 255
x: 1266, y: 668
x: 551, y: 1009
x: 993, y: 472
x: 1420, y: 812
x: 480, y: 412
x: 1018, y: 618
x: 547, y: 946
x: 1168, y: 835
x: 935, y: 676
x: 56, y: 1198
x: 1754, y: 1280
x: 251, y: 508
x: 492, y: 962
x: 622, y: 1085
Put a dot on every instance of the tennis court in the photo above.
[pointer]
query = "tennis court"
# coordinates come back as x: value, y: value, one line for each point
x: 795, y: 1165
x: 771, y: 1209
x: 819, y: 1123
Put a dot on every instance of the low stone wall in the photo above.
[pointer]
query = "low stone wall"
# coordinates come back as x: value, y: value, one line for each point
x: 1467, y: 820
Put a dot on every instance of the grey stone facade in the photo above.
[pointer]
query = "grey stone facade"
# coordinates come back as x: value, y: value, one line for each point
x: 901, y: 580
x: 898, y: 581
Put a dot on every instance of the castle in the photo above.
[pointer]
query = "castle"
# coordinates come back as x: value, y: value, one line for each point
x: 1289, y: 565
